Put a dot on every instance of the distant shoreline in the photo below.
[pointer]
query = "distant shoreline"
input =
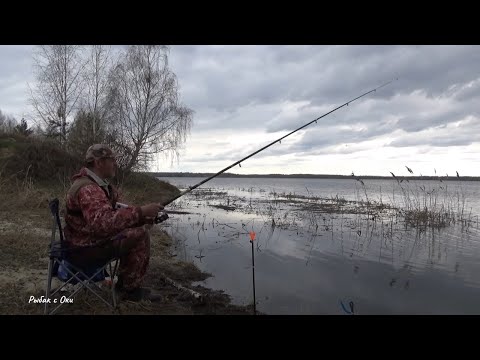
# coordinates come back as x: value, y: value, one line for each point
x: 315, y: 176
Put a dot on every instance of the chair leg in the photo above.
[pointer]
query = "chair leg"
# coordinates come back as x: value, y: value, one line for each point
x: 49, y: 285
x: 85, y: 284
x: 112, y: 283
x: 86, y: 281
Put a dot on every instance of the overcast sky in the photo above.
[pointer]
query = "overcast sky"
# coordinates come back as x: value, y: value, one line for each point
x: 246, y: 96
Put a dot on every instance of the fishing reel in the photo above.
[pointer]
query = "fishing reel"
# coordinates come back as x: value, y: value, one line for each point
x: 161, y: 217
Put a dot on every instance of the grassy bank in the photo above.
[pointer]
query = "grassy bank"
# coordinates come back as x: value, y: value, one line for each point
x: 28, y: 180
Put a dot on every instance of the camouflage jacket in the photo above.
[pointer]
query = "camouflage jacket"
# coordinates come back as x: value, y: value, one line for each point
x: 91, y: 216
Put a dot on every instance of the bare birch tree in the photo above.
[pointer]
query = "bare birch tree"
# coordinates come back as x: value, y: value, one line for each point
x: 146, y: 116
x: 98, y: 66
x: 58, y: 70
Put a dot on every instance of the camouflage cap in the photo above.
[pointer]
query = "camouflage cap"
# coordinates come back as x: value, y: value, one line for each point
x: 99, y: 151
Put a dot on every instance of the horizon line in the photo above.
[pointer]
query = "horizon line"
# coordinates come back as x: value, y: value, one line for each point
x: 310, y: 174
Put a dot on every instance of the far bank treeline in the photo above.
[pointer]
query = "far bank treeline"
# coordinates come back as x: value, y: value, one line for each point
x: 314, y: 176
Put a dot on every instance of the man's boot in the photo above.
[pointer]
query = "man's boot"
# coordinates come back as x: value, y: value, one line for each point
x: 137, y: 294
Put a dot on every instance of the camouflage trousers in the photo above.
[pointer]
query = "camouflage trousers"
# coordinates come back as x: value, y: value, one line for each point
x: 132, y: 247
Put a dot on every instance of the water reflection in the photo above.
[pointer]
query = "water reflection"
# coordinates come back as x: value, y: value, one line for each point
x: 310, y: 262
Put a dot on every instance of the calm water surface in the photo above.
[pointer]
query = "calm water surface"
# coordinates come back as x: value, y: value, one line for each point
x: 313, y: 262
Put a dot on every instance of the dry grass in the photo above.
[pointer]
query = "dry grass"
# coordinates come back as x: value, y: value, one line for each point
x: 24, y: 238
x: 431, y: 204
x: 31, y: 174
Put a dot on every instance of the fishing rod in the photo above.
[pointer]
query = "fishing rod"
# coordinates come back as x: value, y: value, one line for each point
x: 273, y: 142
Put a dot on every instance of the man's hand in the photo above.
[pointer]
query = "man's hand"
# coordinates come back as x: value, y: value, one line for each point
x: 151, y: 210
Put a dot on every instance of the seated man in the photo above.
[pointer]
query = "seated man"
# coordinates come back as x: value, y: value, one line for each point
x: 95, y: 223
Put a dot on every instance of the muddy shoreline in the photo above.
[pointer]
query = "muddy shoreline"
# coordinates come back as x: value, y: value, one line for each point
x: 24, y: 239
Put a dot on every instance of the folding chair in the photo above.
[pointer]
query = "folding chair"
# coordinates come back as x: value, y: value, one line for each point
x: 63, y: 267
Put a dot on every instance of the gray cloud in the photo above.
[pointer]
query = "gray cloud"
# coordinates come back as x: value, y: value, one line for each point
x: 275, y: 89
x: 279, y: 88
x: 237, y: 75
x: 461, y: 134
x: 469, y: 91
x: 15, y: 71
x: 441, y: 141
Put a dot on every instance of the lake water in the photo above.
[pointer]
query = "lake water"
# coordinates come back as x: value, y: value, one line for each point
x: 320, y: 262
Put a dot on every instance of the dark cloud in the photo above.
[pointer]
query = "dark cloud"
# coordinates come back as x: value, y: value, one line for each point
x: 234, y: 76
